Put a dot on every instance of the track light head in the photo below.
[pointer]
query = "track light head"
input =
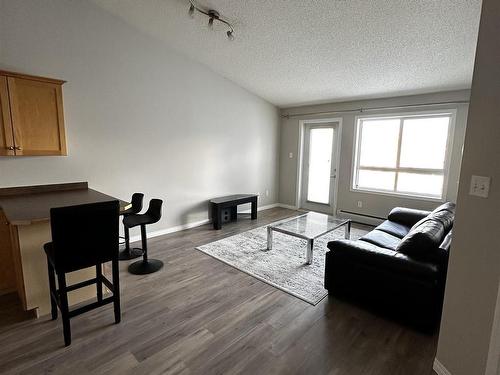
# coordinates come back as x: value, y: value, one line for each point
x: 212, y: 15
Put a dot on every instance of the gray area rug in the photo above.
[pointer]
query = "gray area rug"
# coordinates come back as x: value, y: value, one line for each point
x: 283, y: 267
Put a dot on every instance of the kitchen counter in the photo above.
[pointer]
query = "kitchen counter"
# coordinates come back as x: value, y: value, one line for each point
x: 25, y: 208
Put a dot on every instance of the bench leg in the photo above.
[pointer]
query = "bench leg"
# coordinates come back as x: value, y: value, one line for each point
x: 216, y: 217
x: 254, y: 209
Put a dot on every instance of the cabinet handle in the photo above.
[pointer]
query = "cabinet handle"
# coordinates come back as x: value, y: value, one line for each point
x: 10, y: 148
x: 17, y: 148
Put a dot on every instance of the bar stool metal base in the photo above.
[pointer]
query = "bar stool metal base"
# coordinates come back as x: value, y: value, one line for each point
x: 128, y: 254
x: 143, y: 267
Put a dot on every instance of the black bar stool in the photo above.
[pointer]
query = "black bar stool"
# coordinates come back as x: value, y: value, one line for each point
x: 83, y: 236
x: 129, y: 253
x: 152, y: 215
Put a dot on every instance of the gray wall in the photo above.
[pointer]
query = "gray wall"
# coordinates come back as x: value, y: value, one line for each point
x: 474, y: 266
x: 373, y: 204
x: 139, y: 116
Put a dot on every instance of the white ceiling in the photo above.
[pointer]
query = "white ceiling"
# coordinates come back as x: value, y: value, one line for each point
x: 294, y: 52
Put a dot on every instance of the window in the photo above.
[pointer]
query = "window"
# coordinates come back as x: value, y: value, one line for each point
x: 403, y: 155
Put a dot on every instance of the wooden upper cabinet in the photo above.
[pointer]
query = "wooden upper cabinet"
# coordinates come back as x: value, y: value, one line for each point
x: 32, y: 115
x: 6, y: 132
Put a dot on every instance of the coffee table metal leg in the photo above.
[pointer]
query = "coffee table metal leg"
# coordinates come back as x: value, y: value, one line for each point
x: 347, y: 230
x: 309, y: 254
x: 269, y: 238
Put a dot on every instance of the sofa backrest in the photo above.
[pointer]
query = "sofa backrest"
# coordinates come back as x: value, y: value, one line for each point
x: 426, y: 236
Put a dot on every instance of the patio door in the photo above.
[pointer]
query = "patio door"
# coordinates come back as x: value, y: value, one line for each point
x: 319, y: 167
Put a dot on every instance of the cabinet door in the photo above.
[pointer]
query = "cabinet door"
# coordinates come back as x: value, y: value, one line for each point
x: 6, y: 136
x: 37, y: 117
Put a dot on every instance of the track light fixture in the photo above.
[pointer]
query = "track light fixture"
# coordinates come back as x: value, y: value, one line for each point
x: 212, y: 15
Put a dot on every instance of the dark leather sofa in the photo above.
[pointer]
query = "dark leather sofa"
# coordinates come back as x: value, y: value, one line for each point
x: 399, y: 268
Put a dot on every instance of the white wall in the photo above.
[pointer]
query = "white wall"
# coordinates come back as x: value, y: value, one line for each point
x: 139, y: 116
x: 474, y: 266
x: 373, y: 204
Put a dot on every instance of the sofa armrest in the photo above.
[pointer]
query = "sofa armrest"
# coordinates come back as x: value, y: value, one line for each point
x: 365, y: 254
x: 407, y: 216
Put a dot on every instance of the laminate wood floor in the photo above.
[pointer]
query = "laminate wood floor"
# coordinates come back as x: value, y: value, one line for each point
x: 201, y: 316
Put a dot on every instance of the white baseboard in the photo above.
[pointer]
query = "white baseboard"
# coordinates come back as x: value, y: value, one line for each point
x: 261, y: 208
x: 439, y: 368
x: 360, y: 218
x: 177, y: 228
x: 195, y: 224
x: 290, y: 207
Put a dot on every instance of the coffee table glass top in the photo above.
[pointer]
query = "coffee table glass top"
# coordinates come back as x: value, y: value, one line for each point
x: 310, y: 225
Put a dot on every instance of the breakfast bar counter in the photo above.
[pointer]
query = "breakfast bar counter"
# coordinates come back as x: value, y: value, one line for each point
x: 25, y: 227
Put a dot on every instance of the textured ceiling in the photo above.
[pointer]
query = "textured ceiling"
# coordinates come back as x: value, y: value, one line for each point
x: 293, y: 52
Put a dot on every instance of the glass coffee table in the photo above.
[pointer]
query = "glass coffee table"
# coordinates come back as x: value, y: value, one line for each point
x: 308, y: 227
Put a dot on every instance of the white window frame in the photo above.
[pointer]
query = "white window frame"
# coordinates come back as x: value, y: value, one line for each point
x: 401, y: 116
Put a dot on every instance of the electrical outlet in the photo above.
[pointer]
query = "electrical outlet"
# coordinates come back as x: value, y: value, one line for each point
x: 480, y: 186
x: 360, y: 204
x: 290, y: 155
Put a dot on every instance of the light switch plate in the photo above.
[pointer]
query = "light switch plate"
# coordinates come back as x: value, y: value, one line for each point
x: 480, y: 186
x: 290, y: 155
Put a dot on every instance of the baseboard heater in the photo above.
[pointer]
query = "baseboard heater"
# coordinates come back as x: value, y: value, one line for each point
x: 361, y: 218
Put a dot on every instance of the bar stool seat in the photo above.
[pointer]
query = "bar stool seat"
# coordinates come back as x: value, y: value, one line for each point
x: 135, y: 220
x: 152, y: 215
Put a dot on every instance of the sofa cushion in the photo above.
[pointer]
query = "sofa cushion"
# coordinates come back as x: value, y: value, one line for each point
x: 448, y: 206
x: 396, y: 229
x: 424, y: 238
x: 382, y: 259
x: 382, y: 239
x: 445, y: 217
x: 445, y: 214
